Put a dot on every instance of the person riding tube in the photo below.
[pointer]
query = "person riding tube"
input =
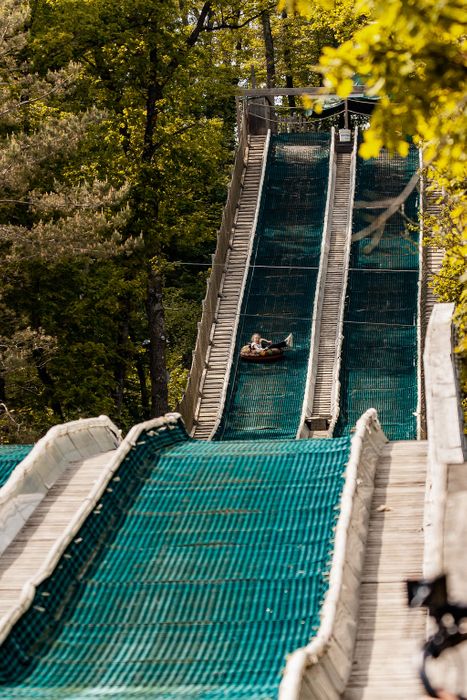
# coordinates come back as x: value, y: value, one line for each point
x: 262, y: 350
x: 258, y: 344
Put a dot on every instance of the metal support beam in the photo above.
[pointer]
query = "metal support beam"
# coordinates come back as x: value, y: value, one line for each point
x: 278, y: 92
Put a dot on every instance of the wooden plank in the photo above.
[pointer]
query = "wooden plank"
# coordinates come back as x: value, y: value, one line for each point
x: 388, y: 632
x: 328, y: 341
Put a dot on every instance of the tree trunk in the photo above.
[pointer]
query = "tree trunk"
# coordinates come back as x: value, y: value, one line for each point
x: 141, y: 372
x: 156, y: 324
x: 269, y: 50
x: 122, y: 358
x: 287, y: 60
x: 47, y: 381
x: 143, y: 387
x: 38, y: 355
x: 147, y: 215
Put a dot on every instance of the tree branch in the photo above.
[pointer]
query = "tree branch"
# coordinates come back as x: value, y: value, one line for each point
x: 202, y: 26
x: 7, y: 413
x: 34, y: 99
x: 225, y: 24
x: 199, y: 26
x: 392, y: 208
x: 177, y: 132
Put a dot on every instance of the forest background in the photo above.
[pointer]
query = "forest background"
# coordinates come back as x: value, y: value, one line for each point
x: 117, y: 137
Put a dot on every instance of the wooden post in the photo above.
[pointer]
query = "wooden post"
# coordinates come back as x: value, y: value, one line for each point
x: 238, y: 112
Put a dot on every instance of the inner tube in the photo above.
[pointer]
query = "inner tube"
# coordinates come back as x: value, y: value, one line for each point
x: 267, y: 355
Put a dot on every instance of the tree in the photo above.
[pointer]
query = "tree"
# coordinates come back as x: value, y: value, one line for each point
x: 149, y: 65
x: 45, y: 217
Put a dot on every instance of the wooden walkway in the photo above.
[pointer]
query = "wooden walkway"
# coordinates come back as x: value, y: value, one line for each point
x: 333, y: 292
x: 388, y: 632
x: 26, y: 555
x: 222, y: 333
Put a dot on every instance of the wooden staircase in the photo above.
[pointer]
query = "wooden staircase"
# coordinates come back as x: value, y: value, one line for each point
x: 432, y: 261
x: 333, y: 296
x: 230, y: 295
x: 433, y: 256
x: 388, y: 632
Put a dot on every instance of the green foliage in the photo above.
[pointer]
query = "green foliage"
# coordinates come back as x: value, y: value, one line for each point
x: 79, y: 202
x: 298, y: 40
x: 117, y: 126
x: 447, y: 231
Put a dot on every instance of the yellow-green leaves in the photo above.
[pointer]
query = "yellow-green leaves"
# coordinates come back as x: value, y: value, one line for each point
x: 304, y: 7
x: 411, y: 55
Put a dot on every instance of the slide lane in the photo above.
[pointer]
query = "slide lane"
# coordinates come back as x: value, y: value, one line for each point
x: 379, y: 366
x: 265, y: 401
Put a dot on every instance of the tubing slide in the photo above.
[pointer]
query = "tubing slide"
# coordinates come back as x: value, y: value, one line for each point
x: 196, y: 566
x: 265, y: 401
x: 10, y: 456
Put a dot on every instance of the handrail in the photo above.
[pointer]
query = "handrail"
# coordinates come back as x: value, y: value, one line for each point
x: 35, y: 475
x: 242, y: 290
x: 189, y: 401
x: 321, y: 669
x: 335, y: 399
x: 29, y: 589
x: 446, y: 441
x: 420, y: 306
x: 319, y: 293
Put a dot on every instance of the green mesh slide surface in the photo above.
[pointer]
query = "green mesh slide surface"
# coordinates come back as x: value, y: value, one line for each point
x: 10, y: 456
x: 264, y: 401
x: 379, y: 359
x: 203, y: 565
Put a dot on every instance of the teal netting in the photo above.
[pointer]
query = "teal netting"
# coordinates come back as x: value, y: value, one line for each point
x: 379, y: 358
x: 203, y: 565
x: 10, y: 456
x: 265, y: 401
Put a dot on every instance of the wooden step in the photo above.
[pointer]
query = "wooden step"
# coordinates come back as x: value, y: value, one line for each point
x: 333, y: 290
